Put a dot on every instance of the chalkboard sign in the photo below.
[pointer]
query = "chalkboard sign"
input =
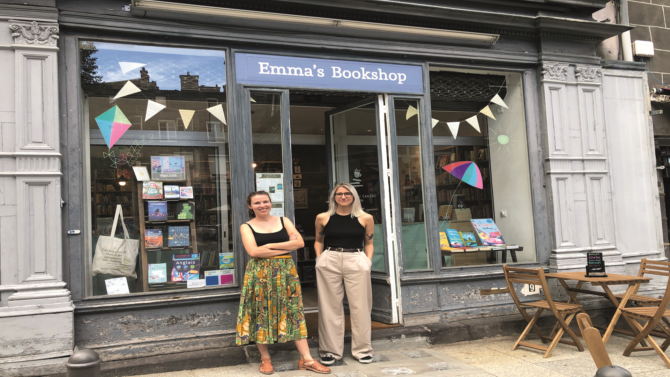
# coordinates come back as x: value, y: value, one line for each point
x: 595, y: 266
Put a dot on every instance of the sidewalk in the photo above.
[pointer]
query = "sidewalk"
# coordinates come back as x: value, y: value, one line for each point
x: 486, y: 357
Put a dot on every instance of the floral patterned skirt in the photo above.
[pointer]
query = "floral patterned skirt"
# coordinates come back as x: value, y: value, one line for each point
x: 271, y: 303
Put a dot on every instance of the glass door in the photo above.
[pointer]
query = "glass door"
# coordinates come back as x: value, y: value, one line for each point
x: 357, y: 143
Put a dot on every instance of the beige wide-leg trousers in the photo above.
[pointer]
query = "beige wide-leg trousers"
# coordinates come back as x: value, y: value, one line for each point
x: 335, y: 273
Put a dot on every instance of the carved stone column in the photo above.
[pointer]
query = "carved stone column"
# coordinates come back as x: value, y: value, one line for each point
x: 577, y: 167
x: 36, y: 311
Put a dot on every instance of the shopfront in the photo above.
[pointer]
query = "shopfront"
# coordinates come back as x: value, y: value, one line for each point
x: 175, y: 123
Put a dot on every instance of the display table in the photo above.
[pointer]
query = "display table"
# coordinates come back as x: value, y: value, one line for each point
x: 505, y: 250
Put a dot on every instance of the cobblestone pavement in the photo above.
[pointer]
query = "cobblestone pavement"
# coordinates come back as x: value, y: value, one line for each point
x: 486, y: 357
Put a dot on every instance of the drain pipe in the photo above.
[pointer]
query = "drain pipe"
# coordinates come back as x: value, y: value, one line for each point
x: 626, y: 44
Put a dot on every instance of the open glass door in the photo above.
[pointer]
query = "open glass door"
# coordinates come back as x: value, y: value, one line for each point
x: 358, y: 154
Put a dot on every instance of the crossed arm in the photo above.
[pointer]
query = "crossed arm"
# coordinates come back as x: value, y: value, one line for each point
x: 271, y: 249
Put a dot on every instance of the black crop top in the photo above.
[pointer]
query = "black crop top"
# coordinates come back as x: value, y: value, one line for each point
x: 344, y: 231
x: 275, y: 237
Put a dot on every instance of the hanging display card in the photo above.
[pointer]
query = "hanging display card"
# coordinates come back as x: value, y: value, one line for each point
x: 168, y: 168
x: 117, y: 286
x: 595, y: 265
x: 141, y: 173
x: 272, y: 183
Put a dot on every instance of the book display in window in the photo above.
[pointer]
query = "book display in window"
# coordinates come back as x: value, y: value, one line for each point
x: 171, y: 191
x: 152, y: 190
x: 153, y: 238
x: 157, y: 211
x: 178, y: 236
x: 157, y: 273
x: 185, y: 267
x: 185, y: 211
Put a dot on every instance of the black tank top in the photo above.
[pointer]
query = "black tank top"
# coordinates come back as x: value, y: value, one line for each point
x: 266, y: 238
x: 344, y: 231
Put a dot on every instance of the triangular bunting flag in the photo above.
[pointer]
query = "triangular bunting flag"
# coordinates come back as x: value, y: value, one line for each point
x: 487, y: 111
x: 217, y: 111
x: 499, y: 101
x: 252, y: 100
x: 411, y: 111
x: 127, y: 90
x: 435, y: 122
x: 128, y: 66
x: 153, y: 108
x: 186, y: 116
x: 453, y: 127
x: 474, y: 123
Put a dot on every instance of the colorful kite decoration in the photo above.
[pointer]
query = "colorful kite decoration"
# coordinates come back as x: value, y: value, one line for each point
x: 113, y: 124
x: 466, y: 171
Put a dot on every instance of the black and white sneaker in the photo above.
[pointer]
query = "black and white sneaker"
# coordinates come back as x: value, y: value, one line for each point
x: 328, y: 359
x: 365, y: 360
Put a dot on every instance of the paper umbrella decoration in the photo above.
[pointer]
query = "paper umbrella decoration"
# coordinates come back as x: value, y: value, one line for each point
x: 113, y: 124
x: 466, y: 171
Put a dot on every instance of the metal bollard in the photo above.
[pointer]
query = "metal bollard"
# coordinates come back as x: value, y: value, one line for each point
x: 613, y: 371
x: 83, y: 363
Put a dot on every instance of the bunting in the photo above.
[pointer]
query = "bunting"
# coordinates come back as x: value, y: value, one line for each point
x: 453, y: 127
x: 127, y: 90
x: 411, y: 111
x: 186, y: 116
x: 153, y: 108
x: 217, y: 111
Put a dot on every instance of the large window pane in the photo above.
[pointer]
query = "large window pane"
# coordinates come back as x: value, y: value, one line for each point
x: 498, y: 150
x: 162, y: 109
x: 410, y: 183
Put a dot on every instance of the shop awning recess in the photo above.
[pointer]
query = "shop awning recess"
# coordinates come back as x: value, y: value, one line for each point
x: 209, y: 11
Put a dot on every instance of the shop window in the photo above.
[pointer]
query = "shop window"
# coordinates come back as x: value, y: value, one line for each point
x: 482, y: 177
x: 157, y: 150
x: 410, y: 183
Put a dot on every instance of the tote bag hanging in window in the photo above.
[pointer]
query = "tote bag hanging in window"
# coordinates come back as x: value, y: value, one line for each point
x: 116, y: 256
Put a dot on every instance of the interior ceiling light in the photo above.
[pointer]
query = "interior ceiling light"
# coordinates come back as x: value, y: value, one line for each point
x: 155, y: 5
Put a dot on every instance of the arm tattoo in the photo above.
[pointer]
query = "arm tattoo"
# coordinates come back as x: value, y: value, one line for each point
x: 370, y: 236
x: 322, y: 233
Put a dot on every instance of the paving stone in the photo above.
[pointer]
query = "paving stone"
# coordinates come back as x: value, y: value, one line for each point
x: 417, y: 354
x: 398, y: 371
x: 350, y: 374
x: 379, y: 358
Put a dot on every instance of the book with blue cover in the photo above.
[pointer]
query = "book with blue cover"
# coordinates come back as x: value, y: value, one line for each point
x: 178, y: 236
x: 469, y: 239
x: 454, y: 237
x: 185, y: 267
x: 157, y: 211
x: 488, y: 232
x: 226, y: 260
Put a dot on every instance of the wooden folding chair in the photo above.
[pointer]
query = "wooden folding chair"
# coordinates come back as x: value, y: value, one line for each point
x: 651, y: 316
x: 564, y: 313
x: 593, y: 340
x: 645, y: 267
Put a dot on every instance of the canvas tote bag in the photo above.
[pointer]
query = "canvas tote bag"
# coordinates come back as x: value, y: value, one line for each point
x: 116, y: 256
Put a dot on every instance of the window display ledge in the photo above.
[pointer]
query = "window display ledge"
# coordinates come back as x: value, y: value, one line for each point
x: 466, y: 273
x: 111, y: 304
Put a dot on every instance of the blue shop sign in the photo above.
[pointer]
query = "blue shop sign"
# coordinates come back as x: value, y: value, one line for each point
x: 292, y: 72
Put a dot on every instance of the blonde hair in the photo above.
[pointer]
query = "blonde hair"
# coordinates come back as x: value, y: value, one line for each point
x: 356, y: 208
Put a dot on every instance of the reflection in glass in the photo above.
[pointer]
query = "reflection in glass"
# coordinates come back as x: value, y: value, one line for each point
x: 164, y: 114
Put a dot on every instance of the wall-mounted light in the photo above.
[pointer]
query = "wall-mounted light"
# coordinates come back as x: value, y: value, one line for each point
x: 122, y: 183
x: 253, y: 165
x: 165, y: 6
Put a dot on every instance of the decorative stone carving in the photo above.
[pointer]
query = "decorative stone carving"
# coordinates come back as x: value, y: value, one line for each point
x: 587, y: 73
x: 555, y: 71
x: 34, y: 33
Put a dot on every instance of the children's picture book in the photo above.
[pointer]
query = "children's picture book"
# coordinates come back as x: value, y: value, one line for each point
x: 226, y: 260
x: 178, y: 236
x: 185, y: 211
x: 444, y: 241
x: 153, y: 238
x: 227, y: 277
x: 117, y: 286
x: 171, y: 191
x: 186, y: 192
x: 455, y: 239
x: 168, y: 168
x: 157, y: 211
x: 488, y: 232
x: 157, y: 273
x: 141, y: 173
x: 152, y: 190
x: 185, y: 267
x: 469, y: 239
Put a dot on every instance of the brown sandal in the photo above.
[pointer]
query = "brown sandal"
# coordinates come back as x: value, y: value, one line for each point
x: 266, y: 367
x: 313, y: 365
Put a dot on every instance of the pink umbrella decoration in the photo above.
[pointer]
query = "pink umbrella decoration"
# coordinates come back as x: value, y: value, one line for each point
x: 466, y: 171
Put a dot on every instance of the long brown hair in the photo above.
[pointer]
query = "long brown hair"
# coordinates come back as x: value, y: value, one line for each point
x: 252, y: 215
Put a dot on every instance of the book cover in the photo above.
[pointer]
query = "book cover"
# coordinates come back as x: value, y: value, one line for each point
x: 185, y: 211
x: 153, y: 238
x: 213, y: 277
x: 469, y: 239
x: 227, y: 277
x: 186, y: 192
x: 178, y: 236
x: 444, y: 242
x: 157, y: 211
x: 185, y: 267
x: 141, y: 173
x: 171, y: 191
x: 168, y: 168
x: 152, y: 190
x: 488, y: 232
x: 117, y: 286
x: 455, y: 239
x: 157, y: 273
x: 226, y: 260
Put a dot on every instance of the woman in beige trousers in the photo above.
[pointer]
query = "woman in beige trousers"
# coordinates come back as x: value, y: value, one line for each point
x: 343, y: 259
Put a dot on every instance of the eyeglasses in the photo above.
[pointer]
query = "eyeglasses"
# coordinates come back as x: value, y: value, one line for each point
x: 345, y: 194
